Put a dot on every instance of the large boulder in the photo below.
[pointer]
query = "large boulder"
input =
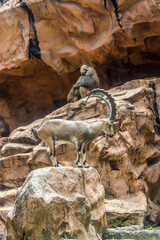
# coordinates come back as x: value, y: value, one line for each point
x: 56, y: 203
x: 126, y: 211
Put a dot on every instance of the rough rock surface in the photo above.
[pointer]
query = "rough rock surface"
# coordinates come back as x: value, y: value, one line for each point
x: 43, y: 44
x: 132, y: 232
x: 128, y: 163
x: 58, y: 202
x: 126, y: 211
x: 7, y: 198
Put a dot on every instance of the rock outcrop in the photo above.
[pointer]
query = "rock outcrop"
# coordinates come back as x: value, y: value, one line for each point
x: 133, y: 232
x: 126, y: 211
x: 43, y: 44
x: 56, y: 203
x: 128, y: 163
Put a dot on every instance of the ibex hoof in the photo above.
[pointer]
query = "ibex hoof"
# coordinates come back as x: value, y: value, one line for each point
x: 86, y: 167
x: 80, y: 166
x: 58, y: 165
x: 85, y: 164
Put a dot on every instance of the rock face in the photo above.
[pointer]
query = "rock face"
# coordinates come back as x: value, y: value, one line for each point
x: 58, y: 202
x: 126, y: 211
x: 128, y: 163
x: 7, y: 198
x: 43, y: 44
x: 133, y: 232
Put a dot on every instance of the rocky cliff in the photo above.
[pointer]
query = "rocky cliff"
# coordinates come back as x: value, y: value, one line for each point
x: 44, y: 43
x: 128, y: 163
x: 42, y: 46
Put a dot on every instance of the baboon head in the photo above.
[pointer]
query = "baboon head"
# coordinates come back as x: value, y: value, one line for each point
x: 86, y: 70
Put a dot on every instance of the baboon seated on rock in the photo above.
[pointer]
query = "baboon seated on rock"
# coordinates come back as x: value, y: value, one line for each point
x: 85, y: 83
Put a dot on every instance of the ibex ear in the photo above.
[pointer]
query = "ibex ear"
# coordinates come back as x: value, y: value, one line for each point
x: 107, y: 121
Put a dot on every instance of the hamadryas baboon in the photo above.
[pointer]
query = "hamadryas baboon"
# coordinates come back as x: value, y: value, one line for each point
x: 85, y: 83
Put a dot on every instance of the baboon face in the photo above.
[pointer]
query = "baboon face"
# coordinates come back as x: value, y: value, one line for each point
x: 86, y: 70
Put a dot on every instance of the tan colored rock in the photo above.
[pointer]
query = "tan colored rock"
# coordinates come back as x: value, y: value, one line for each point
x: 127, y: 162
x: 153, y: 213
x: 152, y: 178
x: 64, y: 36
x: 7, y: 198
x: 14, y: 170
x: 126, y: 211
x: 13, y: 148
x: 3, y: 141
x: 58, y: 202
x: 39, y: 158
x: 3, y: 215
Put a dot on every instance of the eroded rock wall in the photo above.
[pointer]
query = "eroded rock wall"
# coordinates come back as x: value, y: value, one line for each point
x: 126, y: 163
x: 43, y: 44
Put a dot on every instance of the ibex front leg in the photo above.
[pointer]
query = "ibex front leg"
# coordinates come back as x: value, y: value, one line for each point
x: 57, y: 164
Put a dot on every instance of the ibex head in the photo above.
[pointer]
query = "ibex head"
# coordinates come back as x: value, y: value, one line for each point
x: 108, y: 128
x: 108, y: 123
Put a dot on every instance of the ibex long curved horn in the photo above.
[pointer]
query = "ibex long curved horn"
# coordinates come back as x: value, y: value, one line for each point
x: 101, y: 93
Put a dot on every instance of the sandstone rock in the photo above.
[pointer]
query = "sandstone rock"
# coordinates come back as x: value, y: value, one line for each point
x: 14, y: 170
x: 58, y: 202
x: 3, y: 141
x: 42, y: 54
x: 152, y: 178
x: 126, y: 163
x: 39, y: 158
x: 13, y: 148
x: 3, y: 215
x: 7, y: 198
x: 131, y: 233
x: 126, y: 211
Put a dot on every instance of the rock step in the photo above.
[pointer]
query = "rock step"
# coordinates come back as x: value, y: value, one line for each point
x: 7, y: 198
x: 16, y: 148
x: 3, y: 215
x: 126, y: 212
x: 13, y: 170
x: 129, y: 233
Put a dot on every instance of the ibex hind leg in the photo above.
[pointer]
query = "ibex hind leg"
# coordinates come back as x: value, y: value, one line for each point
x: 49, y: 143
x: 57, y: 164
x: 78, y: 157
x: 85, y: 164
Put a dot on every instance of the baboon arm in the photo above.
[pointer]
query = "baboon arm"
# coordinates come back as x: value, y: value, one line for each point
x: 85, y: 81
x: 73, y: 95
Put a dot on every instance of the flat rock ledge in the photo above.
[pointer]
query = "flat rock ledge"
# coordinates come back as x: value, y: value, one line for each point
x: 126, y: 211
x: 58, y: 203
x: 131, y: 232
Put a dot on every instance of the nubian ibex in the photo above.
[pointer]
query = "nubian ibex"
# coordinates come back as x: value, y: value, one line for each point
x: 77, y: 133
x: 85, y: 83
